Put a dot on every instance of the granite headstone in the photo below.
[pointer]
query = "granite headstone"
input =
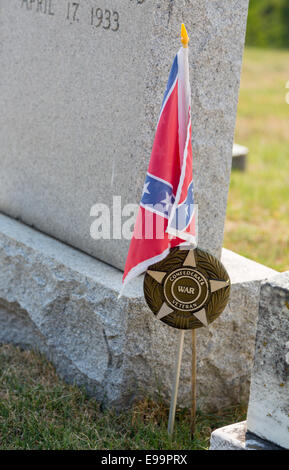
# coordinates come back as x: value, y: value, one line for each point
x: 80, y: 92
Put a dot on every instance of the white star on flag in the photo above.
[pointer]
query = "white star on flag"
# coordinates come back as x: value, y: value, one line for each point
x: 145, y: 189
x: 167, y: 201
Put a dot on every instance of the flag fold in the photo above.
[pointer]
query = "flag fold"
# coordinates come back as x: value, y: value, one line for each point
x: 166, y: 216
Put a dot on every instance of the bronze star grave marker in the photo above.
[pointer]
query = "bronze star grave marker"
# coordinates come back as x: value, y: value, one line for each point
x: 189, y: 289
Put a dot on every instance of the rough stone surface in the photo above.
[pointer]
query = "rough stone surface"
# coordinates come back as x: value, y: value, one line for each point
x: 64, y: 303
x: 227, y: 346
x: 268, y: 413
x: 236, y: 437
x: 230, y: 437
x: 79, y: 106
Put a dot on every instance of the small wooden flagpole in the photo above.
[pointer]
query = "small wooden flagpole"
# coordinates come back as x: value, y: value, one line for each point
x: 185, y: 42
x: 176, y: 383
x: 194, y: 384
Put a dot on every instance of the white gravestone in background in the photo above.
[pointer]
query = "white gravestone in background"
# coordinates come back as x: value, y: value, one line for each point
x: 81, y: 88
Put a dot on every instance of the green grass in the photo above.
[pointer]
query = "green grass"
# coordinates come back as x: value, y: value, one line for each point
x: 258, y: 206
x: 39, y: 411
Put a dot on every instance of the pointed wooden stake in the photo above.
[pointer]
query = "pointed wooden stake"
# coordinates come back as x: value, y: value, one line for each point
x: 173, y: 406
x: 194, y: 384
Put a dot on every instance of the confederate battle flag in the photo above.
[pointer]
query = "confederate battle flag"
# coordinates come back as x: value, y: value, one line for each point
x: 166, y: 216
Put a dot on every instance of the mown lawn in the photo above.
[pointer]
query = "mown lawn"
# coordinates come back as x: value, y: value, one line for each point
x: 39, y: 411
x: 257, y: 223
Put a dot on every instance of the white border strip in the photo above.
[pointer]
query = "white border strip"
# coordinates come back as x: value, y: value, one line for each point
x: 142, y: 267
x: 160, y: 179
x: 180, y: 187
x: 154, y: 211
x: 168, y: 96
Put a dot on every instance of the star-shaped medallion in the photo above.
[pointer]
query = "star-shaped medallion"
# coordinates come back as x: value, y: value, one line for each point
x: 187, y: 288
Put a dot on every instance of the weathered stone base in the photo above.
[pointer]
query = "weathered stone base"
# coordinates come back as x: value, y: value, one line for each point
x: 235, y: 437
x: 64, y: 303
x: 268, y: 410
